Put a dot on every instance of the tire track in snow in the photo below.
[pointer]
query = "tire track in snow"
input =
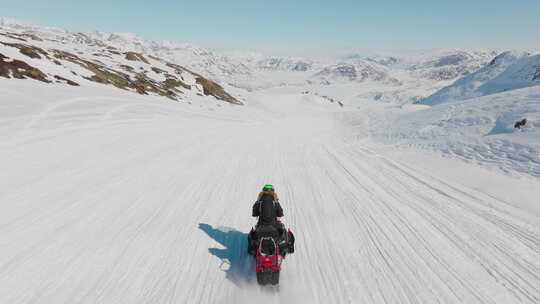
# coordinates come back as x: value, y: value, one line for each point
x: 521, y: 287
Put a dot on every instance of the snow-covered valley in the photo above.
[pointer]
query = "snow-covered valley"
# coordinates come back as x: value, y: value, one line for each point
x: 109, y: 195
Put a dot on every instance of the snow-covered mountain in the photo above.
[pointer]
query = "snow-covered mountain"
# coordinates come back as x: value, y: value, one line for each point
x: 507, y: 71
x: 388, y: 61
x: 218, y: 67
x: 356, y: 70
x: 120, y: 60
x: 395, y: 77
x: 274, y: 63
x: 408, y: 76
x: 452, y: 64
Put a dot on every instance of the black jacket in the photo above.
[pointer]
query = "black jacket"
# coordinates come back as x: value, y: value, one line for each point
x: 267, y: 210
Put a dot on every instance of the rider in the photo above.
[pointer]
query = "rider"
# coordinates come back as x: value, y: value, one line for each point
x: 267, y: 208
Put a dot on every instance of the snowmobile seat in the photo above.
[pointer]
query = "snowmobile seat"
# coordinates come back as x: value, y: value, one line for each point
x: 267, y: 246
x: 267, y: 231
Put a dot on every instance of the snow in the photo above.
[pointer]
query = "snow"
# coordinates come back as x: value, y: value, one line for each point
x: 507, y: 71
x: 480, y: 130
x: 114, y: 197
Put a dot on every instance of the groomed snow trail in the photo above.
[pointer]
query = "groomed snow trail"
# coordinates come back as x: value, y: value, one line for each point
x: 112, y: 200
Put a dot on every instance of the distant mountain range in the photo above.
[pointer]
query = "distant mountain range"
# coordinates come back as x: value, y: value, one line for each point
x: 179, y: 70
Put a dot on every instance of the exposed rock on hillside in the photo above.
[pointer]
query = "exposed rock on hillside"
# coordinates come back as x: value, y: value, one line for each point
x: 214, y: 89
x: 132, y: 56
x: 12, y: 68
x: 28, y: 50
x: 77, y: 58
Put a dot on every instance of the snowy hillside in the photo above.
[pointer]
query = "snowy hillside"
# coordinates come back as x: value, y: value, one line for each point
x: 437, y: 65
x: 55, y: 56
x: 449, y: 65
x: 480, y: 130
x: 507, y: 71
x: 404, y: 77
x: 79, y: 59
x: 115, y: 197
x: 214, y: 66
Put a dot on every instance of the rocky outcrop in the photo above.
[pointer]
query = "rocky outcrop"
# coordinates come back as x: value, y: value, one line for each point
x: 61, y: 79
x: 139, y: 82
x: 28, y: 50
x: 537, y: 74
x: 132, y: 56
x: 12, y: 68
x: 101, y: 73
x: 210, y: 88
x: 213, y: 89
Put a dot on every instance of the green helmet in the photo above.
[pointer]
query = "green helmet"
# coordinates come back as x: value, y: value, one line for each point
x: 268, y: 187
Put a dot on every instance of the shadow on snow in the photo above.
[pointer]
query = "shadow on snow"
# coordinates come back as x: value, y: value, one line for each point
x: 235, y: 261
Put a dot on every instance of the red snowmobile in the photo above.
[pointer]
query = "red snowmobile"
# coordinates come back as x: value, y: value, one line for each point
x: 269, y: 245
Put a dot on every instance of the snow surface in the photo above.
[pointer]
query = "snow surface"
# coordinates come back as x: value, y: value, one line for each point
x: 480, y: 130
x: 113, y: 197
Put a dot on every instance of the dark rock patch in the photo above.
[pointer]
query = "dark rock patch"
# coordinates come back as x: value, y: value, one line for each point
x: 127, y: 68
x: 171, y: 83
x: 28, y: 50
x: 214, y: 89
x: 114, y: 52
x: 13, y: 36
x: 537, y: 74
x: 132, y: 56
x: 102, y: 55
x: 20, y: 70
x: 158, y: 70
x: 520, y: 124
x: 102, y: 74
x: 65, y: 80
x: 141, y: 83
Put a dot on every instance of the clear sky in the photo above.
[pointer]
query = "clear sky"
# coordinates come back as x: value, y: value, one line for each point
x: 298, y: 25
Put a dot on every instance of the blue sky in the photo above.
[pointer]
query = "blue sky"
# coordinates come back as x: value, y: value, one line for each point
x: 300, y: 25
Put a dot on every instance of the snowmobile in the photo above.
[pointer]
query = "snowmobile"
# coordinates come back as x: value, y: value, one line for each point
x: 269, y: 245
